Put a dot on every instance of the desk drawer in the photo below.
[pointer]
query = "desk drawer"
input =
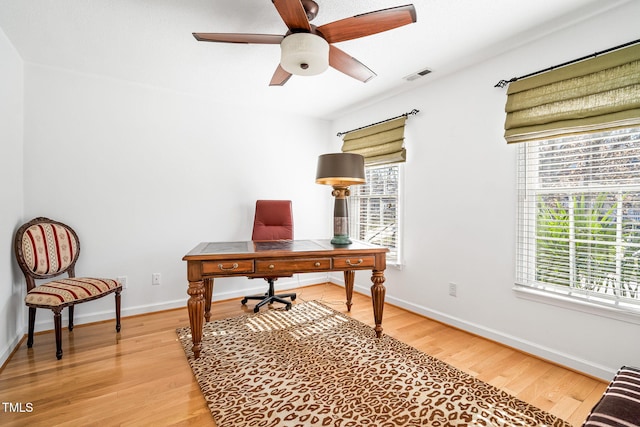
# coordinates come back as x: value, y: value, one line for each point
x: 355, y: 262
x: 228, y: 266
x: 303, y: 265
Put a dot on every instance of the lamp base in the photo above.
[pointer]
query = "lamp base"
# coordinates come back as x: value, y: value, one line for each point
x: 341, y: 240
x: 340, y: 216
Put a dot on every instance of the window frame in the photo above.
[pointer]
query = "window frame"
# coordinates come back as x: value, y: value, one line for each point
x: 526, y: 283
x: 355, y: 214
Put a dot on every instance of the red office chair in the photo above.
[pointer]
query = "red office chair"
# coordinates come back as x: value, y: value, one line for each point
x: 273, y: 221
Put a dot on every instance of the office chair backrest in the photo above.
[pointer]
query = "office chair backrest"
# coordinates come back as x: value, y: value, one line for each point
x: 273, y: 220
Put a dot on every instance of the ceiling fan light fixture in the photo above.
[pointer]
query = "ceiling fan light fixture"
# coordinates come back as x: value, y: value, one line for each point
x: 304, y: 54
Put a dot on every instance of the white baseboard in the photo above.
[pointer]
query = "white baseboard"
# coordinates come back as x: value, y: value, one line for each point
x: 8, y: 349
x: 46, y: 324
x: 603, y: 372
x: 581, y: 365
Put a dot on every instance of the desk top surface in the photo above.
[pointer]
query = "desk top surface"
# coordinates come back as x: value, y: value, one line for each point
x: 275, y: 248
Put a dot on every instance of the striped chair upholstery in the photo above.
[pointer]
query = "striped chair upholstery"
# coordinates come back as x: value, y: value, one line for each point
x: 45, y: 249
x: 49, y: 247
x: 69, y: 291
x: 619, y: 406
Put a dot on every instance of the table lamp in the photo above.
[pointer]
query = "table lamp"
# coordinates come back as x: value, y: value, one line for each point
x: 340, y: 170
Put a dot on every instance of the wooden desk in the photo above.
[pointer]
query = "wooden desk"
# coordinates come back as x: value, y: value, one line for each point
x: 209, y: 260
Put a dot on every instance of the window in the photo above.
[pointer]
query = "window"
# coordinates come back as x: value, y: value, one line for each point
x: 579, y: 218
x: 374, y: 209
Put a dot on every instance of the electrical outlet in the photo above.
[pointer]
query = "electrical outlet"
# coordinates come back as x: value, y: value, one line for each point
x: 453, y: 289
x: 155, y: 279
x: 123, y: 281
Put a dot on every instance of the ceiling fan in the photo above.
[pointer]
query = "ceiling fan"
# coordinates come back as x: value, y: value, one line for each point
x: 309, y: 50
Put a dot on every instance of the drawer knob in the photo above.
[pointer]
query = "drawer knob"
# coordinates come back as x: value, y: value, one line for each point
x: 354, y: 263
x: 317, y: 264
x: 271, y: 266
x: 233, y: 267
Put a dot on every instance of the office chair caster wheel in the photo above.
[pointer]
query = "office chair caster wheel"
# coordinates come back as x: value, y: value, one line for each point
x: 256, y: 309
x: 244, y: 301
x: 293, y: 297
x: 287, y: 307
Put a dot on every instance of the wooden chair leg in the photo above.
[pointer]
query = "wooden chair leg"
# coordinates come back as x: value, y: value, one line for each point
x: 32, y: 323
x: 70, y: 318
x: 117, y: 311
x: 57, y: 322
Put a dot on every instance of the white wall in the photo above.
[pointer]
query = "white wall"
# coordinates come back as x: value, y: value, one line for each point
x: 461, y: 206
x: 11, y: 123
x: 143, y: 175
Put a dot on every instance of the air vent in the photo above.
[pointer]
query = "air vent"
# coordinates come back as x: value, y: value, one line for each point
x: 417, y: 75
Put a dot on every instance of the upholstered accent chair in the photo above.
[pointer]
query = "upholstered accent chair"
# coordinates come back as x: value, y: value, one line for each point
x: 273, y: 221
x: 46, y: 249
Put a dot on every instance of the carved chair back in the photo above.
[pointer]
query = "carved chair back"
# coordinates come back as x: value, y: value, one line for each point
x: 46, y: 248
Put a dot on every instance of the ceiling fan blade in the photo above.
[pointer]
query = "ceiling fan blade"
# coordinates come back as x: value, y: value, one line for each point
x: 347, y: 64
x: 368, y: 23
x: 293, y: 14
x: 280, y: 77
x: 238, y: 38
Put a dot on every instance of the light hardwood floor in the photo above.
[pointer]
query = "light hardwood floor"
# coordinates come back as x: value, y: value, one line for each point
x: 141, y: 376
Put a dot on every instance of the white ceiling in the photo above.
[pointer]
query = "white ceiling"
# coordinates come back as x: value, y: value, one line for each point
x: 150, y: 42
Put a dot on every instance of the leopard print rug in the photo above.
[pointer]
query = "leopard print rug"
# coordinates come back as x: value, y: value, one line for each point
x: 314, y: 366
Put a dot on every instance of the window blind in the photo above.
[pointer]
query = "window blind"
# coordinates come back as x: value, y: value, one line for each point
x: 579, y: 217
x: 589, y: 96
x: 379, y: 144
x: 375, y: 209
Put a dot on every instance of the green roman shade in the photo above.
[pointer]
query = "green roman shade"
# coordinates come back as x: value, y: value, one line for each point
x: 598, y: 94
x: 379, y: 144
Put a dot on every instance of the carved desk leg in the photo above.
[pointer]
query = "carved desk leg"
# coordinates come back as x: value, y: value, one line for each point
x: 195, y: 305
x: 208, y: 295
x: 348, y: 286
x: 377, y: 296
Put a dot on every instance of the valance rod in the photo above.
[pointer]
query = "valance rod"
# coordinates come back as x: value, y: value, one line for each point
x: 503, y: 83
x: 412, y: 112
